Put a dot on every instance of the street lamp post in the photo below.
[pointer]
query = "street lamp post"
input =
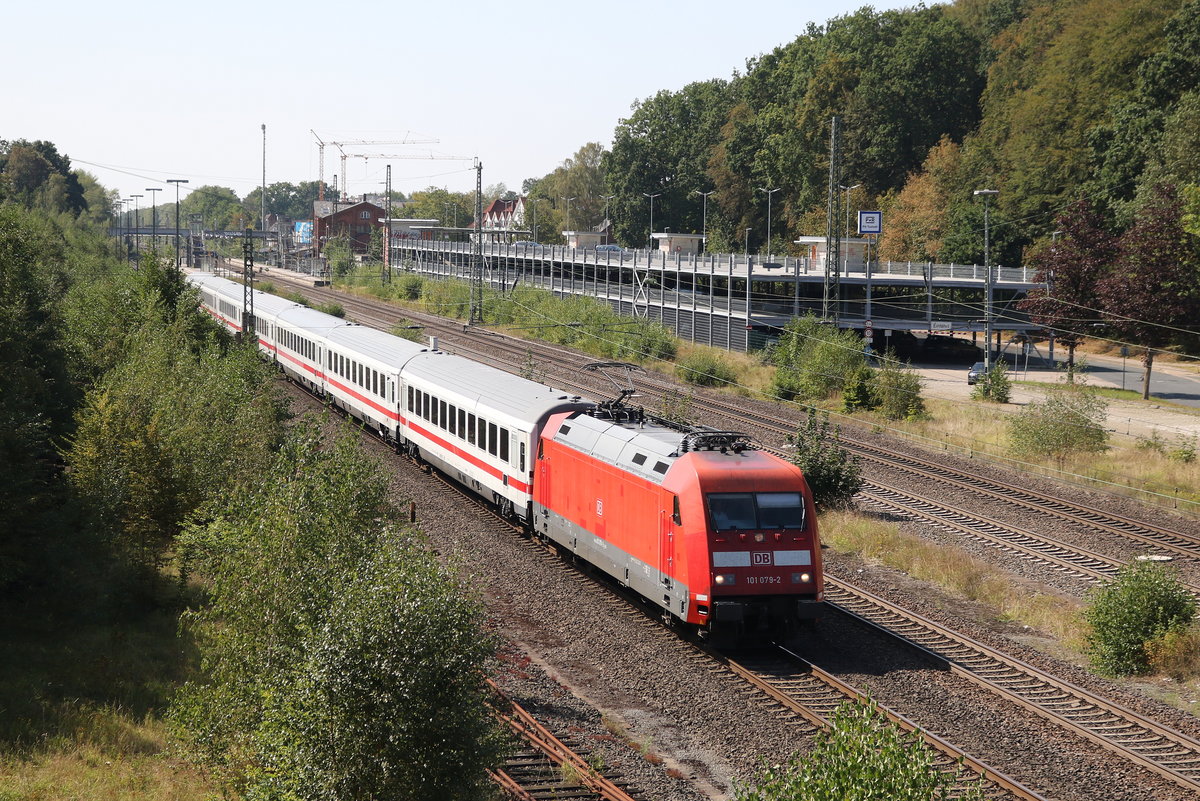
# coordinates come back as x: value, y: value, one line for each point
x: 154, y: 217
x: 656, y: 194
x: 848, y: 190
x: 568, y: 202
x: 177, y: 182
x: 704, y: 216
x: 987, y: 194
x: 137, y: 234
x: 748, y: 230
x: 769, y: 193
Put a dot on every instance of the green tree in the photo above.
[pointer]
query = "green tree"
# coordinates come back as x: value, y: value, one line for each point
x: 342, y: 660
x: 862, y: 756
x: 217, y: 207
x: 36, y: 391
x: 833, y: 474
x: 1154, y: 289
x: 663, y: 149
x: 172, y: 424
x: 1070, y: 419
x: 1146, y: 601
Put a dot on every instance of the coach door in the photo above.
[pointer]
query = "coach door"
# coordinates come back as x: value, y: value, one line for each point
x: 666, y: 552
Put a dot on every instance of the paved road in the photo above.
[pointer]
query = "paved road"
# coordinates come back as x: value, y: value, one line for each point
x: 1177, y: 385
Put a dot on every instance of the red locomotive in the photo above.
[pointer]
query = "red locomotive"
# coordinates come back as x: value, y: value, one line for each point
x: 719, y: 534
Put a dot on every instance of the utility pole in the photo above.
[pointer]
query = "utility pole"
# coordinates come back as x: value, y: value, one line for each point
x: 177, y: 182
x: 704, y: 216
x: 262, y: 198
x: 248, y: 333
x: 137, y: 230
x: 831, y: 302
x: 154, y: 217
x: 387, y: 229
x: 987, y: 194
x: 476, y: 312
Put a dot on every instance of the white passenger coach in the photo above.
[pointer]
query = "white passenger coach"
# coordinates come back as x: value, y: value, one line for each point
x: 478, y: 424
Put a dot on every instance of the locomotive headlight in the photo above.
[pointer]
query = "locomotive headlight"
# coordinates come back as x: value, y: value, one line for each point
x: 725, y: 579
x: 759, y: 537
x: 801, y: 578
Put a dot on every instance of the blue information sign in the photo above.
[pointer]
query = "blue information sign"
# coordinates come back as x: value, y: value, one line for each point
x: 870, y: 222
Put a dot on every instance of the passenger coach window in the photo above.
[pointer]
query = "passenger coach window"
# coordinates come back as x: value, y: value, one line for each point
x: 493, y: 440
x: 442, y: 414
x: 471, y: 429
x: 453, y: 427
x: 504, y: 444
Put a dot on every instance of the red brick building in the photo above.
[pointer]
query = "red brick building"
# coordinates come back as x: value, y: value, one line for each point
x: 355, y: 222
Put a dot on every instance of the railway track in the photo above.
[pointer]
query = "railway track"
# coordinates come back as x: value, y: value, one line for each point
x: 789, y: 682
x: 548, y: 767
x: 811, y: 693
x: 1146, y: 743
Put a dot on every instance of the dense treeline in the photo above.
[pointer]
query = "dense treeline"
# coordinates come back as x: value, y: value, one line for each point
x: 1059, y: 105
x: 147, y: 471
x: 1047, y: 102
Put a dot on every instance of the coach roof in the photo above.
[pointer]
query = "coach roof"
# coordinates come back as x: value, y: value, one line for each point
x: 494, y: 389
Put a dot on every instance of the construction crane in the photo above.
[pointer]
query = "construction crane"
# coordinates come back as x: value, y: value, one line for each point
x: 406, y: 140
x: 368, y: 156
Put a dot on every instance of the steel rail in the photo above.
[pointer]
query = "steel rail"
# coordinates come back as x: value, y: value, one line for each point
x: 818, y: 679
x: 1116, y: 728
x: 533, y: 732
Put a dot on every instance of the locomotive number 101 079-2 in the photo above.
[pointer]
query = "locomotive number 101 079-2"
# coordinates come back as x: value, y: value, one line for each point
x: 764, y: 580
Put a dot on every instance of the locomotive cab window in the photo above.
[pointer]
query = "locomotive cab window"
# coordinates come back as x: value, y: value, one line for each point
x: 734, y: 511
x: 780, y: 509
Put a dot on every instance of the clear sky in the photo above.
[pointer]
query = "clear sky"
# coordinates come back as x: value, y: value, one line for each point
x: 138, y: 92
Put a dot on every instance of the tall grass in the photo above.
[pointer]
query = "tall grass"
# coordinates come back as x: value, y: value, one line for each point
x: 82, y: 692
x: 955, y: 572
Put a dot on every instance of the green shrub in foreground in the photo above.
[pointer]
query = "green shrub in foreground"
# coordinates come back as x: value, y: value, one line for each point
x: 1145, y: 602
x: 834, y: 475
x: 861, y: 757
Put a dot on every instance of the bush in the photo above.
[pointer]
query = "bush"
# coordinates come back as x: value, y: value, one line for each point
x: 1144, y: 603
x: 409, y: 287
x: 994, y: 385
x: 865, y: 757
x: 1071, y: 419
x: 858, y: 393
x: 1175, y: 653
x: 896, y: 391
x: 705, y: 368
x: 833, y: 474
x: 333, y: 309
x: 812, y: 360
x: 342, y: 658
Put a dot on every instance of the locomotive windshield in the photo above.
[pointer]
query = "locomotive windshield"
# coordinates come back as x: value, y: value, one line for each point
x: 732, y: 511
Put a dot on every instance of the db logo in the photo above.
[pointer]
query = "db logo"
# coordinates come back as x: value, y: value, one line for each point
x: 599, y: 508
x: 761, y: 558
